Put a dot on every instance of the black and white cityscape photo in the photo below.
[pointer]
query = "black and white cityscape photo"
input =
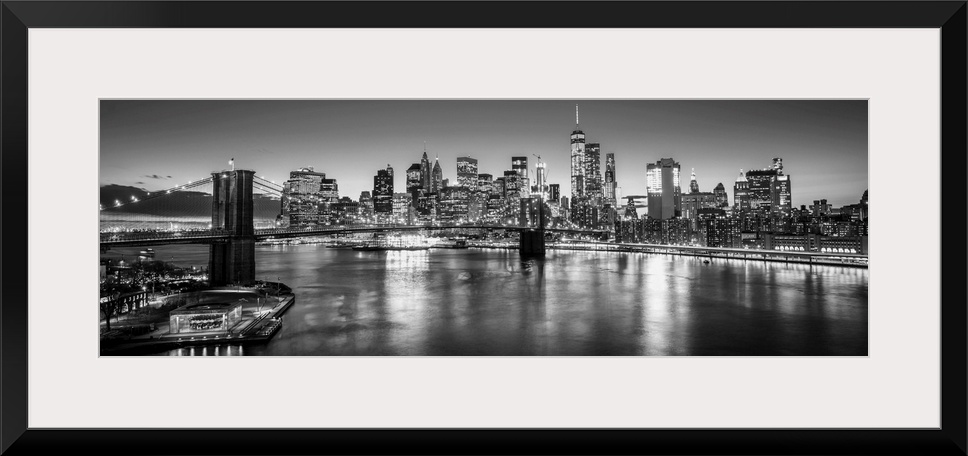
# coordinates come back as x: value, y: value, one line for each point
x: 483, y: 227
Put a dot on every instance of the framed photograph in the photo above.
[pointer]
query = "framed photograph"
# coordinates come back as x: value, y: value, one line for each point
x: 631, y: 227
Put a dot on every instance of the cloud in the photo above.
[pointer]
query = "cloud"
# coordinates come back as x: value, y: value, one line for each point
x: 139, y: 183
x: 155, y: 176
x: 169, y: 177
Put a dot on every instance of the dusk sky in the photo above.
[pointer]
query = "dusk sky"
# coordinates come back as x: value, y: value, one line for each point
x: 160, y: 144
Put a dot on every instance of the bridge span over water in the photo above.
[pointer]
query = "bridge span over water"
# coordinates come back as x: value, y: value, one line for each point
x: 232, y: 235
x: 148, y: 238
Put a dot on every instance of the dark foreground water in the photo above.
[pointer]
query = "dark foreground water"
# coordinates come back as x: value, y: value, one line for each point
x: 492, y: 302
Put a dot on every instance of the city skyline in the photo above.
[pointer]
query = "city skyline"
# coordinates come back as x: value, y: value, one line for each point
x: 823, y: 143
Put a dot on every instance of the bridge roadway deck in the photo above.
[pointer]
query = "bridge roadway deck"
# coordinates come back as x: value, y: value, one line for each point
x: 134, y: 239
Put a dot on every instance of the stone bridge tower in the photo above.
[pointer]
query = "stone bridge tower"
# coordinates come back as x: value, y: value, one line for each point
x: 232, y: 261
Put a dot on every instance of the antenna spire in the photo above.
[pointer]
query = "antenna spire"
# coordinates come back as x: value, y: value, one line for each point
x: 576, y: 114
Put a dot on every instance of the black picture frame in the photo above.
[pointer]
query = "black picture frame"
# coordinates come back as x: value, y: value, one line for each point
x: 18, y: 16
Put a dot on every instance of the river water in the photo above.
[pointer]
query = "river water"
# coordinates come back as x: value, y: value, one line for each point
x: 493, y: 302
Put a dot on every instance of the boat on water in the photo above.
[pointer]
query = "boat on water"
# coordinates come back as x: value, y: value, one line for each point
x: 146, y: 254
x: 458, y: 244
x: 381, y: 247
x: 395, y: 243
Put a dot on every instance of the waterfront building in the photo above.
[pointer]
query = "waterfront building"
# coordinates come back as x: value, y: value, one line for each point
x: 815, y: 243
x: 204, y: 317
x: 664, y: 192
x: 673, y: 231
x: 610, y: 185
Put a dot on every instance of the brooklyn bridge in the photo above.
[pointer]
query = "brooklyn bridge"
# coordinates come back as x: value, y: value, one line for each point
x: 232, y: 234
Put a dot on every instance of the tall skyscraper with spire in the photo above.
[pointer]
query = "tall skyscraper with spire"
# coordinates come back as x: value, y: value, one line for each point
x: 425, y: 170
x: 437, y: 177
x: 693, y: 184
x: 577, y: 160
x: 741, y: 193
x: 579, y: 204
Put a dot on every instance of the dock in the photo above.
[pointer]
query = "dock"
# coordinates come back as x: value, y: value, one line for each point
x: 258, y: 330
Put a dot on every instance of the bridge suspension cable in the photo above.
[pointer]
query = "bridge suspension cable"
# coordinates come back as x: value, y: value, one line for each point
x: 160, y: 193
x: 268, y: 184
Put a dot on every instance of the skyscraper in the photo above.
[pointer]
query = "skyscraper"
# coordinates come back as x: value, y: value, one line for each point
x: 520, y: 166
x: 722, y: 198
x: 741, y: 194
x: 540, y: 187
x: 662, y: 185
x: 770, y: 190
x: 437, y: 177
x: 414, y: 182
x: 578, y: 213
x: 484, y: 182
x: 610, y: 197
x: 593, y: 172
x: 761, y: 188
x: 329, y: 196
x: 302, y: 196
x: 425, y: 171
x: 366, y: 205
x: 512, y: 193
x: 693, y: 184
x: 467, y: 173
x: 383, y: 192
x: 577, y: 160
x: 782, y: 194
